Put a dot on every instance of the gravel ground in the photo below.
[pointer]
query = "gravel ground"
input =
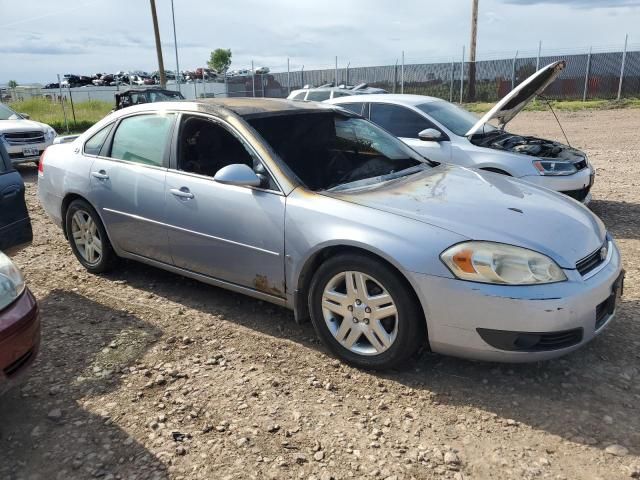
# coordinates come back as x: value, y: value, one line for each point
x: 144, y: 374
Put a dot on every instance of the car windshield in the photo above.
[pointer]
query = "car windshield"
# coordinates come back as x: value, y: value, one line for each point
x: 7, y: 114
x: 331, y: 150
x: 456, y: 119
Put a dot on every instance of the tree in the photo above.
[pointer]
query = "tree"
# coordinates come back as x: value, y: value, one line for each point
x: 12, y: 84
x: 220, y: 60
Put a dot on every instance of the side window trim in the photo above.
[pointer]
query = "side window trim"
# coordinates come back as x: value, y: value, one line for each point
x: 233, y: 131
x: 105, y: 151
x: 105, y: 141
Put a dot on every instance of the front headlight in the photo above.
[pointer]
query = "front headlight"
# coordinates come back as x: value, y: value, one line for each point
x: 489, y: 262
x: 11, y: 281
x: 549, y: 167
x: 49, y: 134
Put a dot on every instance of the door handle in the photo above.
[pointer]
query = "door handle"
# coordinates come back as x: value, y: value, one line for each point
x: 10, y: 192
x: 101, y: 175
x: 182, y: 193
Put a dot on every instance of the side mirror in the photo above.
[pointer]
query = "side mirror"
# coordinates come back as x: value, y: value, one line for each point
x: 238, y: 174
x: 430, y: 135
x: 25, y: 116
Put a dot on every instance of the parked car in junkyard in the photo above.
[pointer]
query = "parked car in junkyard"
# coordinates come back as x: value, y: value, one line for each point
x: 15, y: 225
x: 329, y: 91
x: 24, y: 139
x: 19, y: 321
x: 312, y: 207
x: 137, y: 96
x: 445, y: 132
x: 19, y: 325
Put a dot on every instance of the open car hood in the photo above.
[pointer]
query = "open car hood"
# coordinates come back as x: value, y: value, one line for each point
x: 519, y: 97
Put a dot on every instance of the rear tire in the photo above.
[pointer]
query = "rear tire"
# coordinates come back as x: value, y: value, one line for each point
x: 88, y: 237
x: 365, y: 312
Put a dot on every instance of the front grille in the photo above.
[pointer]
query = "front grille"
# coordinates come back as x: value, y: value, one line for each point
x: 579, y: 195
x: 15, y: 367
x: 591, y: 261
x: 24, y: 138
x: 581, y: 165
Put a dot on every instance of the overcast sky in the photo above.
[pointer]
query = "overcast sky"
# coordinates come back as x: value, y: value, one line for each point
x: 41, y: 38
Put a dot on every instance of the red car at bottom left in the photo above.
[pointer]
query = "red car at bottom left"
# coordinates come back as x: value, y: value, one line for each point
x: 19, y: 325
x: 19, y: 319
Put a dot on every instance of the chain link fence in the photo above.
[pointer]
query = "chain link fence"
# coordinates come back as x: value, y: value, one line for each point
x: 589, y: 75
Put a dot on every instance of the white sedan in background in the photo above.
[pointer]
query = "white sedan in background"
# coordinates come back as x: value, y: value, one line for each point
x: 444, y: 132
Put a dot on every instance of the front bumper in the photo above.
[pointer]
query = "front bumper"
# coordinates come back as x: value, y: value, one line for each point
x: 17, y: 155
x: 19, y: 339
x: 576, y: 186
x: 457, y: 309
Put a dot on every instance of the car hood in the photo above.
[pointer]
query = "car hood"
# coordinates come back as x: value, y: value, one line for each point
x: 486, y: 206
x: 20, y: 126
x: 519, y: 97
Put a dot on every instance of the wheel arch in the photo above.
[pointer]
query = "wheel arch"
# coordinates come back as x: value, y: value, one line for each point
x: 311, y: 264
x: 66, y: 201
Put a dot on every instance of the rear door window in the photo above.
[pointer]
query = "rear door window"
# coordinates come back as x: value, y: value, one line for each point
x: 319, y: 95
x: 299, y: 96
x: 143, y: 139
x: 399, y: 120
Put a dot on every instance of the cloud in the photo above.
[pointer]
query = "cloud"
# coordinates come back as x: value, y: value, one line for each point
x: 579, y: 3
x: 108, y: 36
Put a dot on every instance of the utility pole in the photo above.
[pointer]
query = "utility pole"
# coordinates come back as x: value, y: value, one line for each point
x: 175, y: 44
x: 154, y: 16
x: 472, y: 50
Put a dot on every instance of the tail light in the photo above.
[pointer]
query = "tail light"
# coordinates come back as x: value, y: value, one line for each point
x: 41, y: 163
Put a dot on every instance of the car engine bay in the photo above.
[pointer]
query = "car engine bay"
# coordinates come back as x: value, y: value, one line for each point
x: 535, y: 147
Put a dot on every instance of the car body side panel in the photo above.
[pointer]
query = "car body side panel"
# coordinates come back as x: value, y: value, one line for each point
x: 314, y: 222
x: 228, y: 232
x: 66, y: 173
x: 15, y: 225
x: 132, y: 206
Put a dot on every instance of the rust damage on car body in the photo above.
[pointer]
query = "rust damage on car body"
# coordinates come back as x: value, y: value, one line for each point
x: 261, y: 283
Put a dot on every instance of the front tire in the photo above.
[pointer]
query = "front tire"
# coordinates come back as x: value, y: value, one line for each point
x: 365, y: 312
x: 88, y: 237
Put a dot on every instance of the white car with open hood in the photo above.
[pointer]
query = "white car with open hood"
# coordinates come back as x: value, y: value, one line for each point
x: 445, y: 132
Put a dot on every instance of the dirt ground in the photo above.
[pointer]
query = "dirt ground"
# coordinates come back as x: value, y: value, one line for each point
x: 144, y: 374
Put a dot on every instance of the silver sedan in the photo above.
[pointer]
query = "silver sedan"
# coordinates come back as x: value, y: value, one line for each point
x: 313, y: 208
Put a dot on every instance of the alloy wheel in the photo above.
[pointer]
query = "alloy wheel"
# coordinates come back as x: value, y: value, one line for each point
x: 86, y: 237
x: 360, y: 313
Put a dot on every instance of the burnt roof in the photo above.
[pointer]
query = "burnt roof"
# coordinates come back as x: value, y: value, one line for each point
x: 256, y: 107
